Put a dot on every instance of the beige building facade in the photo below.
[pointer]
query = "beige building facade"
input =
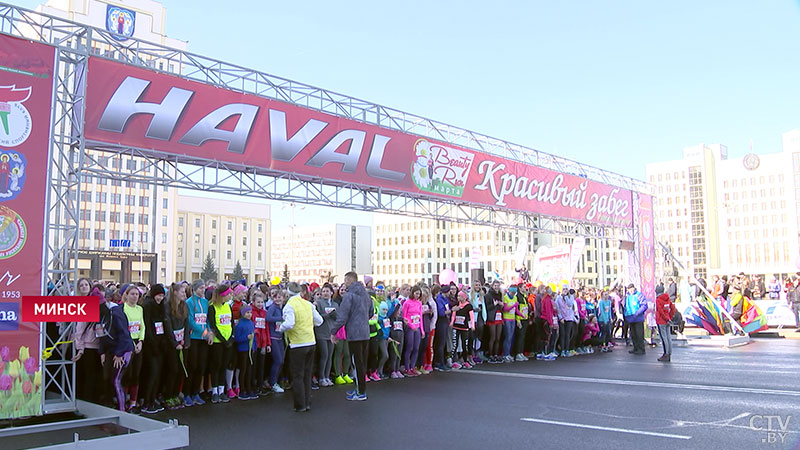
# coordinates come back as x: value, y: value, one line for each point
x: 722, y: 216
x: 227, y: 231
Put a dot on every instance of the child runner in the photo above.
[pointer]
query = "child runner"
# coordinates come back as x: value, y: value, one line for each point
x: 244, y: 336
x: 274, y: 319
x: 463, y: 322
x: 412, y: 319
x: 220, y: 319
x: 263, y: 343
x: 327, y: 309
x: 198, y: 349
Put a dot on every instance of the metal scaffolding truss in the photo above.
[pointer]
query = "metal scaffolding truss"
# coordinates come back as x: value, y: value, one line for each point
x: 220, y: 177
x: 71, y: 163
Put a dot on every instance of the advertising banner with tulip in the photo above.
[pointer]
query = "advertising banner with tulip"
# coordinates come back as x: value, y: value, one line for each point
x: 26, y: 86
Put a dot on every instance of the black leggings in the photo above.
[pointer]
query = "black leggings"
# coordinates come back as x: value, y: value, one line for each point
x: 196, y: 358
x: 90, y: 376
x: 259, y: 366
x: 155, y: 361
x: 495, y: 332
x: 173, y: 373
x: 466, y: 344
x: 245, y: 371
x: 359, y: 350
x: 218, y: 357
x: 565, y: 335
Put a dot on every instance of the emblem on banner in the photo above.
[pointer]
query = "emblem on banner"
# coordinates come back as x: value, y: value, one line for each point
x: 12, y: 174
x: 120, y: 21
x: 439, y: 169
x: 15, y: 120
x: 13, y: 233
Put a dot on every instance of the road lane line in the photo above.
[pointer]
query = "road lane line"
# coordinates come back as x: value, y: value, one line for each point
x: 617, y: 430
x: 696, y: 387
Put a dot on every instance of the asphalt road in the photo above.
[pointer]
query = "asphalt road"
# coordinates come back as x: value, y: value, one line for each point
x: 706, y: 398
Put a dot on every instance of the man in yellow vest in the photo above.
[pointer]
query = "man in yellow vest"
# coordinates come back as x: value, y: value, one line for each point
x: 299, y: 319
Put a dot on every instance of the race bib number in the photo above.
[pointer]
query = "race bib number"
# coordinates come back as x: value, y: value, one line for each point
x: 100, y: 330
x: 524, y: 310
x: 159, y: 328
x: 415, y: 320
x: 459, y: 320
x: 200, y: 318
x: 329, y: 310
x: 425, y: 309
x: 498, y: 316
x: 387, y: 323
x: 225, y: 319
x: 398, y: 325
x: 178, y: 335
x: 134, y: 327
x: 261, y: 323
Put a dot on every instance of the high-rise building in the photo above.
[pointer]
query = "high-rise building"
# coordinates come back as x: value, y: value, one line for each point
x: 117, y: 209
x: 229, y: 232
x: 322, y: 253
x: 722, y: 215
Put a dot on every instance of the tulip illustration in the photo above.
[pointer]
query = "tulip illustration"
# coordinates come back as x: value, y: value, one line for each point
x: 5, y: 353
x: 13, y: 368
x: 37, y: 378
x: 5, y: 382
x: 27, y: 387
x: 31, y: 365
x: 24, y: 353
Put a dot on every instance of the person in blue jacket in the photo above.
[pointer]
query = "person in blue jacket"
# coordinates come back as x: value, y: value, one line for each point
x: 635, y: 307
x: 197, y: 355
x: 243, y: 337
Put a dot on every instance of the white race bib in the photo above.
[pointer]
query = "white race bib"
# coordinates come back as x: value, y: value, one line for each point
x: 225, y: 319
x: 178, y: 335
x: 387, y: 323
x: 134, y: 327
x: 459, y: 320
x: 100, y: 330
x: 159, y: 328
x: 425, y: 309
x: 498, y: 316
x: 524, y: 311
x: 398, y: 325
x: 200, y: 318
x: 261, y: 323
x: 415, y: 320
x: 329, y: 310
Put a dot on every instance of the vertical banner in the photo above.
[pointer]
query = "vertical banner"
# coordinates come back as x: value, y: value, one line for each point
x: 26, y: 86
x: 634, y: 257
x: 647, y: 246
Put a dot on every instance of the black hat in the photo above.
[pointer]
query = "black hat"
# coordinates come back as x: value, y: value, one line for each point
x: 157, y: 289
x: 631, y: 286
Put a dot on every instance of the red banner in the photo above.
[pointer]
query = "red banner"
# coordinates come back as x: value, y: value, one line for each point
x: 148, y: 110
x: 26, y: 85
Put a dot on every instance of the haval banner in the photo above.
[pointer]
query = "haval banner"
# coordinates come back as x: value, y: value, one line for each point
x: 140, y: 108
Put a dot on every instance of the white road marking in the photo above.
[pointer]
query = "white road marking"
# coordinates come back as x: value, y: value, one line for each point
x: 617, y: 430
x: 695, y: 387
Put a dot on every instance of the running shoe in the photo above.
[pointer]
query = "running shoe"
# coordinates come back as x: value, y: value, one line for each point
x: 152, y: 409
x: 232, y: 393
x: 215, y: 398
x: 197, y: 400
x: 340, y: 380
x: 347, y: 379
x: 351, y: 394
x: 456, y: 366
x: 187, y: 401
x: 314, y: 386
x: 276, y: 388
x: 374, y: 376
x: 467, y: 365
x: 244, y: 396
x: 549, y: 357
x: 224, y: 398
